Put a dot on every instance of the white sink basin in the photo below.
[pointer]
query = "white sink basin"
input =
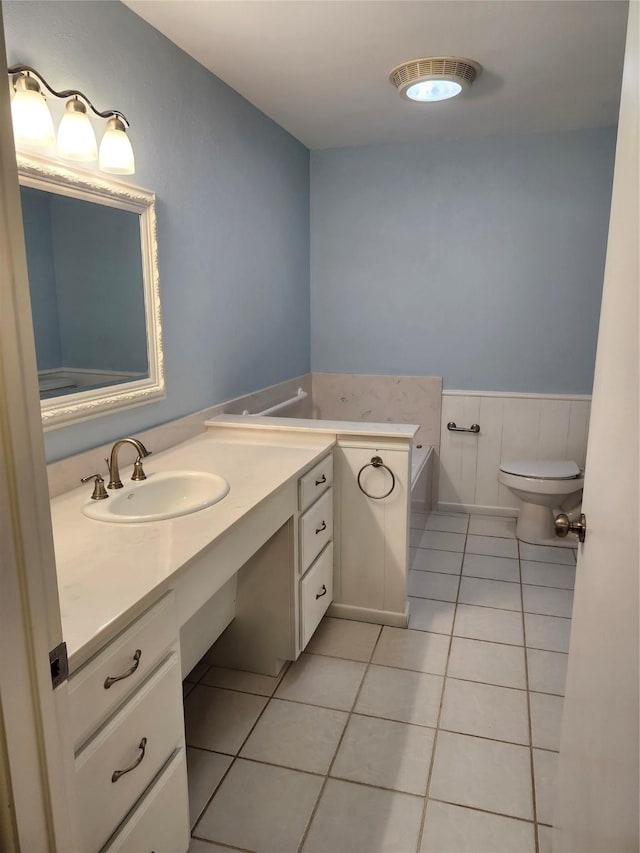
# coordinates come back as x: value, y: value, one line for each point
x: 166, y: 494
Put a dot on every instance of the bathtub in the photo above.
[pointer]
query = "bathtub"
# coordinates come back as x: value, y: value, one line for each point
x: 421, y: 477
x: 300, y: 407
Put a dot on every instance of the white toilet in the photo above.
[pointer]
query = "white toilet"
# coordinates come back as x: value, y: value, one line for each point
x: 544, y: 489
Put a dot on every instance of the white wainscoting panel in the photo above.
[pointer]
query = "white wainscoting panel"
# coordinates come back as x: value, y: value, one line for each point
x: 514, y: 426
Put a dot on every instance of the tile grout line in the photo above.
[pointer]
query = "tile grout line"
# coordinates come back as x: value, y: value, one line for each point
x: 444, y: 687
x: 284, y: 670
x: 427, y: 672
x: 382, y: 788
x: 368, y: 663
x: 500, y: 556
x: 383, y: 719
x: 526, y: 675
x: 316, y: 806
x: 496, y: 580
x: 437, y: 727
x: 493, y: 606
x: 486, y: 811
x: 363, y: 713
x: 220, y: 844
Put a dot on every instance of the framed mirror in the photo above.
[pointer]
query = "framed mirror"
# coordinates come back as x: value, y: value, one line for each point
x: 92, y: 258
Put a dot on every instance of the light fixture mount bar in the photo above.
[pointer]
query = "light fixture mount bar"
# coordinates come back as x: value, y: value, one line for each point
x: 16, y: 70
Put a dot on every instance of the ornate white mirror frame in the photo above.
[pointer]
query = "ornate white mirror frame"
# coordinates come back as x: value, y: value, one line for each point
x: 51, y: 176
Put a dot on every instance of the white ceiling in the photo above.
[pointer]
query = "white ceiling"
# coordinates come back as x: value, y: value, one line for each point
x: 320, y: 68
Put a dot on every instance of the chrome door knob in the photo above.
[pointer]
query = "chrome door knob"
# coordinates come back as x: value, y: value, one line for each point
x: 563, y: 526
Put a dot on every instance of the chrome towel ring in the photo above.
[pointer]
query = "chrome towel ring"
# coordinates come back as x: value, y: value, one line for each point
x: 376, y: 462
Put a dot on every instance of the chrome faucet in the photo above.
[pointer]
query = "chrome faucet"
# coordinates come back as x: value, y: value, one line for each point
x: 114, y: 473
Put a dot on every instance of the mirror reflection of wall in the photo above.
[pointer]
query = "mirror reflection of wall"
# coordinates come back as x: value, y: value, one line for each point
x: 87, y: 296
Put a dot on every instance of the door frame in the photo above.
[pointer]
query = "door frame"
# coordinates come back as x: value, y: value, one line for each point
x: 36, y: 755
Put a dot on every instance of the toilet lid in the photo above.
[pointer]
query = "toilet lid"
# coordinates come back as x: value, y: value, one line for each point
x: 541, y: 470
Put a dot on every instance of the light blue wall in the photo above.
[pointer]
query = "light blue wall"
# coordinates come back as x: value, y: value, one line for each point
x: 478, y: 260
x: 36, y: 216
x: 232, y: 200
x: 100, y: 290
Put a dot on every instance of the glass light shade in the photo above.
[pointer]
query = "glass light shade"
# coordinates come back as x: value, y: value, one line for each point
x: 76, y: 137
x: 116, y: 153
x: 433, y: 90
x: 32, y: 122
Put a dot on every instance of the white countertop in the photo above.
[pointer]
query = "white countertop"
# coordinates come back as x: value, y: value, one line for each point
x: 353, y: 428
x: 105, y: 570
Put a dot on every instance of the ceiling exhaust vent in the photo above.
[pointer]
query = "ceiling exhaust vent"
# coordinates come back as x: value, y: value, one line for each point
x: 434, y: 78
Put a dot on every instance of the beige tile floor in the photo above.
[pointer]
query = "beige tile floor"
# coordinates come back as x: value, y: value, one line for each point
x: 441, y: 738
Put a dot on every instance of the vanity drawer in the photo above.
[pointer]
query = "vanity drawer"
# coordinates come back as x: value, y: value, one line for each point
x: 160, y: 820
x: 315, y: 482
x: 316, y: 529
x: 153, y: 712
x: 90, y: 702
x: 316, y: 594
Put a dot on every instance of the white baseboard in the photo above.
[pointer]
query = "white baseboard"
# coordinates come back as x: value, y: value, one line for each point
x: 366, y: 614
x: 477, y: 509
x: 419, y: 506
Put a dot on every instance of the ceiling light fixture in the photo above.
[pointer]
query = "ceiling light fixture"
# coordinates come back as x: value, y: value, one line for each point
x: 33, y: 124
x: 434, y: 78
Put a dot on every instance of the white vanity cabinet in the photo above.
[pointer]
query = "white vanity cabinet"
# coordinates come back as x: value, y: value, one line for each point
x: 315, y: 558
x: 254, y: 573
x: 286, y: 586
x: 126, y: 708
x: 372, y: 538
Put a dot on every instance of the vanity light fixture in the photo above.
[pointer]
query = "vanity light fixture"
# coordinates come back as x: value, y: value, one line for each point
x: 434, y: 78
x: 33, y: 124
x: 116, y: 153
x: 76, y: 137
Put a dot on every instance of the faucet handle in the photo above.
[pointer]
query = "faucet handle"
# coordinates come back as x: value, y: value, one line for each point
x: 99, y: 491
x: 138, y: 471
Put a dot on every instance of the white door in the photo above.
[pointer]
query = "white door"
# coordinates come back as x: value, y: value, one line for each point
x: 36, y: 757
x: 597, y: 788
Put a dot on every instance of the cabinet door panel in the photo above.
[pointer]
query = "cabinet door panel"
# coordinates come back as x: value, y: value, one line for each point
x: 153, y: 713
x: 160, y: 820
x: 317, y: 481
x: 316, y: 594
x: 90, y: 702
x: 372, y: 561
x: 316, y: 529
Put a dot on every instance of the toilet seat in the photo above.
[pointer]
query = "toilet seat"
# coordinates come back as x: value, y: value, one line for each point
x: 541, y: 470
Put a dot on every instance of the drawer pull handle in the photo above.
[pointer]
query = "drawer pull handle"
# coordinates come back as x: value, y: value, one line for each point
x: 322, y: 480
x: 118, y: 773
x: 111, y: 679
x: 322, y: 527
x: 320, y: 594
